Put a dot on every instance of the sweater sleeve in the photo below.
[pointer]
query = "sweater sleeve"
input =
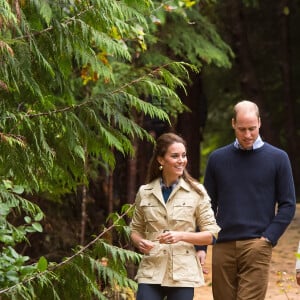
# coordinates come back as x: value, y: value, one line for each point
x: 285, y: 198
x: 210, y: 185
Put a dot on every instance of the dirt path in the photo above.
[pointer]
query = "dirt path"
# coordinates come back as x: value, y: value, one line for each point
x: 282, y: 285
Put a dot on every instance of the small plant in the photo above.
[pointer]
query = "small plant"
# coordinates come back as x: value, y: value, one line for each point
x: 284, y: 282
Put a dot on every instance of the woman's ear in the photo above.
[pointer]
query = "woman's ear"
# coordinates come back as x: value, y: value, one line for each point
x: 159, y: 160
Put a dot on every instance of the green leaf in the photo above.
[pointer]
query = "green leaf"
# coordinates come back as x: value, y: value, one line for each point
x: 4, y: 209
x: 18, y: 189
x: 38, y: 217
x: 7, y: 183
x: 46, y: 12
x: 42, y: 264
x: 13, y: 253
x: 37, y: 226
x: 80, y: 152
x: 27, y: 219
x: 6, y: 239
x: 27, y: 270
x: 12, y: 276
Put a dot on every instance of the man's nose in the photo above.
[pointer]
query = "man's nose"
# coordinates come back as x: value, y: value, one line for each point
x: 248, y: 133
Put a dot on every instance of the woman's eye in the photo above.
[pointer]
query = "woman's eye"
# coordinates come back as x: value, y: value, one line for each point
x: 177, y: 156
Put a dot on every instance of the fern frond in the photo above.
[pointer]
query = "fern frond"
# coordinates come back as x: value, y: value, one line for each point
x: 80, y: 274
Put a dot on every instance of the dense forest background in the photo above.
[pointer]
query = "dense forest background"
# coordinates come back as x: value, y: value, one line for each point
x: 85, y: 86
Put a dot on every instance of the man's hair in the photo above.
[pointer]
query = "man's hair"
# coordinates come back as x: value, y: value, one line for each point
x: 245, y: 105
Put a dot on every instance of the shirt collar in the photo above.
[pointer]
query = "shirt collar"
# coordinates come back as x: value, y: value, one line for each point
x: 172, y: 186
x: 257, y: 144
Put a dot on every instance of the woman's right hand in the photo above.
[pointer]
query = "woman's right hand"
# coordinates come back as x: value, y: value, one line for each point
x: 145, y: 246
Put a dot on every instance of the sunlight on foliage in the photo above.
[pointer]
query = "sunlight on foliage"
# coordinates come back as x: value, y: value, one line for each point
x: 285, y: 282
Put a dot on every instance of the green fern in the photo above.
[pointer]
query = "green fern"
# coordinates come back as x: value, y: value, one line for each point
x: 83, y: 275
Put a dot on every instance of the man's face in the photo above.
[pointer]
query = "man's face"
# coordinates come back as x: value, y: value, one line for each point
x: 246, y: 128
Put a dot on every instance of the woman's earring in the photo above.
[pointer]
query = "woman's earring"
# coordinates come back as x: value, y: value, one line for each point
x: 160, y: 168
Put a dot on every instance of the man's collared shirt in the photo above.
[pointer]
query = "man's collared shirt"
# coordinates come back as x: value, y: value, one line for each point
x: 257, y: 144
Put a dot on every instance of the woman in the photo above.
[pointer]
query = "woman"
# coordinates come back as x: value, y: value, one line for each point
x: 168, y: 210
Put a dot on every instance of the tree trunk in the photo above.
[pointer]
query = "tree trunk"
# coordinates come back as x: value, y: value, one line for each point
x: 131, y: 178
x: 83, y: 215
x: 288, y: 97
x: 249, y: 83
x: 110, y: 185
x: 191, y: 124
x: 83, y: 207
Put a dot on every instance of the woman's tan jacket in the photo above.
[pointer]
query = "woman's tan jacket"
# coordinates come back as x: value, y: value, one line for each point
x: 174, y: 264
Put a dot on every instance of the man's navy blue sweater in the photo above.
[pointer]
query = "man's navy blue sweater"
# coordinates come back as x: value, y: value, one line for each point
x: 252, y: 192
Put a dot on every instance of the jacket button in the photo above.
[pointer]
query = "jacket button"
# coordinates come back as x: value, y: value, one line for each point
x: 187, y: 251
x: 165, y: 251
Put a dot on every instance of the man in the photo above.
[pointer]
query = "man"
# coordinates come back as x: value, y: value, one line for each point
x: 252, y: 190
x: 298, y: 266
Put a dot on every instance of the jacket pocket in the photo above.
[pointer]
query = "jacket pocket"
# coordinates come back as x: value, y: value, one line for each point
x: 185, y: 266
x: 183, y: 210
x: 149, y: 264
x: 151, y: 210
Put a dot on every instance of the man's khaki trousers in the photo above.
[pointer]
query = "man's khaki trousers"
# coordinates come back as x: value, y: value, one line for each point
x: 240, y: 269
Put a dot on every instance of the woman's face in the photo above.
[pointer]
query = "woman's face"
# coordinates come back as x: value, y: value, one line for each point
x: 173, y: 162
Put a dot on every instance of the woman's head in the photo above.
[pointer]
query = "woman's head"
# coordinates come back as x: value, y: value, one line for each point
x: 169, y: 157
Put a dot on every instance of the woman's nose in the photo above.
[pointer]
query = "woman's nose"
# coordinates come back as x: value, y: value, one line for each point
x: 182, y: 158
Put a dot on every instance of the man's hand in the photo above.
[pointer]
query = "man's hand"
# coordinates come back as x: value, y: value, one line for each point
x: 202, y: 257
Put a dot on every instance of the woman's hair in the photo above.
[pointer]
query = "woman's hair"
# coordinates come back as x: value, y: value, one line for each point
x: 162, y: 145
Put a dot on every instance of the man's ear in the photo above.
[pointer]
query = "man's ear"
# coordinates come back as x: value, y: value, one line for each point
x: 233, y: 123
x: 259, y: 122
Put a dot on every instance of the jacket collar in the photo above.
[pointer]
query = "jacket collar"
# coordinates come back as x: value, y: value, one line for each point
x: 154, y: 187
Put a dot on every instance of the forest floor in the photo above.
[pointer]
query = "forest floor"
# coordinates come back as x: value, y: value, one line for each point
x: 282, y: 284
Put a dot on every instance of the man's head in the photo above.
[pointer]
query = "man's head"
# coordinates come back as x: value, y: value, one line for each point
x: 246, y: 123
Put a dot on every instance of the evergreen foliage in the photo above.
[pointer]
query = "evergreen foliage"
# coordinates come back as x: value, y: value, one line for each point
x: 95, y: 270
x: 73, y: 77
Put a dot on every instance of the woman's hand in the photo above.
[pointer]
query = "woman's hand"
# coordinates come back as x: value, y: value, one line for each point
x: 169, y: 237
x: 145, y: 246
x: 195, y: 238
